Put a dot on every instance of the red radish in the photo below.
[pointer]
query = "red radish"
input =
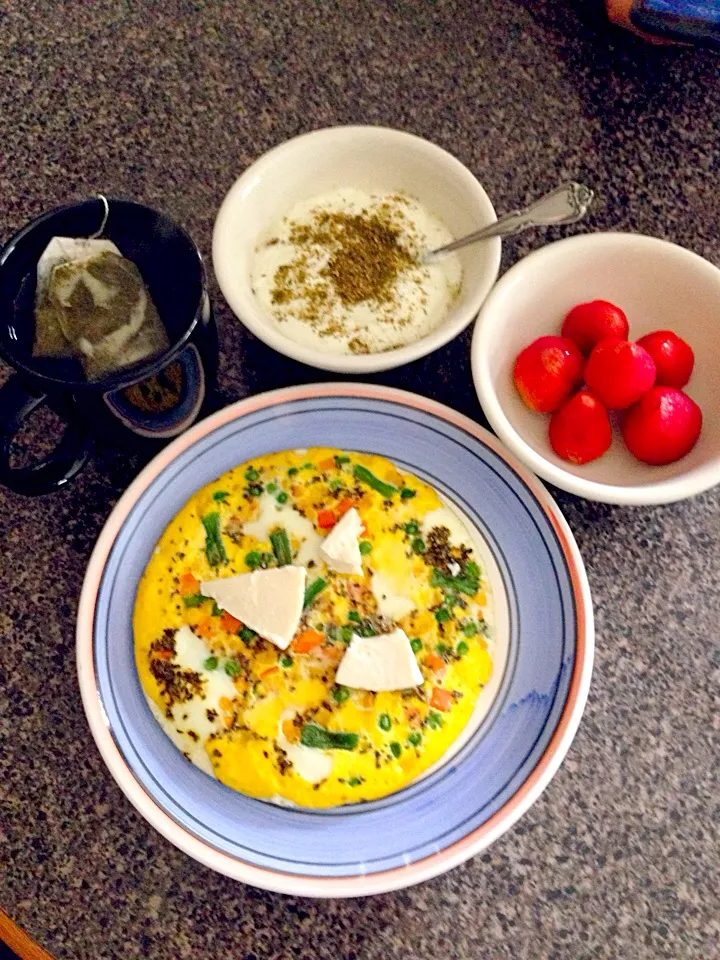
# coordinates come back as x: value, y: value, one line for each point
x: 589, y: 323
x: 619, y: 372
x: 663, y: 426
x: 674, y: 359
x: 580, y: 430
x: 546, y: 372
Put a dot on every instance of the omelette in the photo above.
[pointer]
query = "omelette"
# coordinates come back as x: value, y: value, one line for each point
x: 314, y: 628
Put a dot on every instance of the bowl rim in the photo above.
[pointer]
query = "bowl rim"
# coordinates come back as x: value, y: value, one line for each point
x: 248, y: 313
x: 388, y: 880
x: 650, y: 494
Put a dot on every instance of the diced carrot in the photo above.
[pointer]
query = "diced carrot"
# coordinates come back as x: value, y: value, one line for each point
x: 291, y: 732
x: 328, y: 464
x: 162, y: 654
x: 189, y: 584
x: 229, y: 721
x: 225, y: 704
x: 441, y: 699
x: 268, y: 673
x: 206, y: 628
x: 344, y: 505
x: 434, y: 661
x: 229, y: 622
x: 326, y: 519
x: 307, y: 640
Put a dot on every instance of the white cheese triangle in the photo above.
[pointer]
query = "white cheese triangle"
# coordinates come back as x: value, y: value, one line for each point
x: 270, y: 602
x: 340, y: 549
x: 385, y: 662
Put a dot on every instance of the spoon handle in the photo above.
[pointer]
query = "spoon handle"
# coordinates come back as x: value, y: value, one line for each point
x: 567, y: 203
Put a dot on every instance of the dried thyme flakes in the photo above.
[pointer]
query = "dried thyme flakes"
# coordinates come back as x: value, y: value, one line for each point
x: 343, y: 259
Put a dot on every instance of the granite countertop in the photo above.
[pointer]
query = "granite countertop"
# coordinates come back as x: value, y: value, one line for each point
x: 167, y: 103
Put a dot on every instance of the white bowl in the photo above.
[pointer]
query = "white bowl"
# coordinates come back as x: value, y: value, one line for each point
x: 659, y: 286
x: 368, y: 158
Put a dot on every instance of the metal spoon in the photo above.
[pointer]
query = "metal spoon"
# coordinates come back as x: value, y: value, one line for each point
x: 565, y: 204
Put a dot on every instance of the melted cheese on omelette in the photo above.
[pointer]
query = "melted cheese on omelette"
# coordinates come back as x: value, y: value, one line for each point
x: 273, y: 723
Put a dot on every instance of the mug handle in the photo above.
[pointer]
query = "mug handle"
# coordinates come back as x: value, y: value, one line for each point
x: 17, y: 402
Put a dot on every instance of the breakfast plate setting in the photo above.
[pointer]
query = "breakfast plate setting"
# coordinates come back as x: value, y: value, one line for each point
x: 336, y: 639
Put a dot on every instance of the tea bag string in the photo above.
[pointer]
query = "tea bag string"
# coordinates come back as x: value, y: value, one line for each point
x: 106, y: 214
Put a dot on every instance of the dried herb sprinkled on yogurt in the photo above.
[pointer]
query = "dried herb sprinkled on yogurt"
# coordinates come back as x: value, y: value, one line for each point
x: 342, y: 273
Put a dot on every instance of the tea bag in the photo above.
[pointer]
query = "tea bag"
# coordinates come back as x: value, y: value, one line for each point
x: 92, y: 303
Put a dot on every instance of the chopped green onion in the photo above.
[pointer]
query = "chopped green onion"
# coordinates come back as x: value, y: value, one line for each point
x: 313, y: 590
x: 271, y: 487
x: 216, y: 610
x: 340, y: 694
x: 281, y: 547
x: 442, y: 615
x: 247, y: 635
x: 354, y: 616
x: 194, y: 600
x: 463, y: 584
x: 472, y: 570
x: 251, y: 474
x: 214, y: 547
x: 384, y: 721
x: 282, y: 497
x: 308, y: 466
x: 407, y: 494
x: 462, y: 648
x: 365, y: 547
x: 232, y: 668
x: 365, y: 476
x: 395, y: 749
x: 418, y: 545
x: 286, y: 661
x: 332, y: 632
x: 339, y: 461
x: 253, y: 559
x: 470, y: 629
x: 347, y: 633
x: 414, y: 738
x: 211, y: 663
x: 335, y: 484
x: 354, y: 781
x: 316, y: 736
x: 292, y: 471
x: 417, y: 644
x: 366, y: 629
x: 434, y: 720
x: 221, y: 496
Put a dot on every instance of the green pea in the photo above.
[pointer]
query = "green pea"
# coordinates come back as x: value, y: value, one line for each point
x: 419, y: 546
x: 414, y: 738
x: 251, y: 474
x: 232, y: 668
x: 292, y: 471
x: 211, y: 663
x: 365, y: 547
x: 340, y: 694
x: 354, y: 782
x: 407, y: 494
x: 255, y: 490
x: 282, y: 497
x: 253, y: 559
x: 286, y: 661
x: 412, y: 528
x: 271, y: 487
x: 384, y: 721
x: 417, y: 644
x: 354, y: 616
x: 462, y: 648
x: 470, y: 629
x: 247, y: 635
x: 434, y: 720
x: 347, y: 633
x: 442, y: 615
x: 395, y: 749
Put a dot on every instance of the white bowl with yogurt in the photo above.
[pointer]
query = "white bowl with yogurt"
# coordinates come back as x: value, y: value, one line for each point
x: 317, y: 248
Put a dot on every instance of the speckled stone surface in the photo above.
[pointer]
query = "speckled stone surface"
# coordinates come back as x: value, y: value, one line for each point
x: 167, y: 103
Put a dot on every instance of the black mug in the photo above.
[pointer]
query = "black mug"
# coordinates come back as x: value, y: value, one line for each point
x: 137, y: 408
